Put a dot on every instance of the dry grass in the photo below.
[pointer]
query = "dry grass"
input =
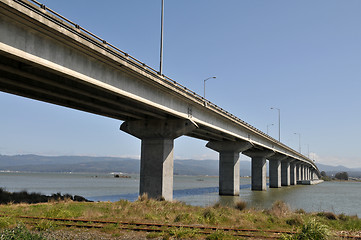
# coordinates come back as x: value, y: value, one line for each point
x: 280, y: 209
x: 279, y: 217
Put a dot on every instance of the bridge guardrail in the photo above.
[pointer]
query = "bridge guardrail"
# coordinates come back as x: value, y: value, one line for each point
x: 91, y: 37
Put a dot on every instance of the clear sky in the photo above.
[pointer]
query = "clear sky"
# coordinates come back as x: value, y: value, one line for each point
x: 303, y: 57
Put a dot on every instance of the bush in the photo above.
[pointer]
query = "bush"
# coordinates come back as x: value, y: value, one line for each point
x: 241, y: 205
x: 313, y: 230
x: 209, y: 216
x: 294, y: 221
x: 279, y: 209
x: 181, y: 233
x: 328, y: 215
x: 341, y: 176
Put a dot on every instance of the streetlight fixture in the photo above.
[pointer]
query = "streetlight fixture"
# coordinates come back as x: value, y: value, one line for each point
x: 204, y: 86
x: 279, y: 123
x: 161, y: 40
x: 268, y: 126
x: 299, y: 141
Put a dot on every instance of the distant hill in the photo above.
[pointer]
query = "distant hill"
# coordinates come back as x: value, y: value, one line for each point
x: 332, y: 170
x: 36, y: 163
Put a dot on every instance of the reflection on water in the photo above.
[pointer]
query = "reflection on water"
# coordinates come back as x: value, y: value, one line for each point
x: 338, y: 197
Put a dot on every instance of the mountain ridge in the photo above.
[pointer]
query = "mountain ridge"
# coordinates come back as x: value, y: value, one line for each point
x: 38, y: 163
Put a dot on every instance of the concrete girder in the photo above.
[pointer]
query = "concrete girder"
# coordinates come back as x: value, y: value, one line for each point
x: 229, y: 164
x: 156, y: 162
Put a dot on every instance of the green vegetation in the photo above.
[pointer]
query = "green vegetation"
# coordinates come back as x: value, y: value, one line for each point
x: 278, y: 217
x: 19, y: 232
x: 341, y: 176
x: 338, y: 176
x: 310, y: 230
x: 324, y: 176
x: 25, y: 197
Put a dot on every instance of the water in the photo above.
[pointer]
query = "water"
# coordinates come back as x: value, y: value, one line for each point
x: 338, y: 197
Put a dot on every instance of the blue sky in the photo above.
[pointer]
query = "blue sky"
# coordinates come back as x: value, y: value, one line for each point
x: 303, y: 57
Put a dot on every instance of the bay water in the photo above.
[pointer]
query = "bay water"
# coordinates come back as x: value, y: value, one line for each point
x: 337, y: 197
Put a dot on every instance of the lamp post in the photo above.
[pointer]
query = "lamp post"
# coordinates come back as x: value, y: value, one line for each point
x: 279, y: 123
x: 299, y: 141
x: 204, y: 86
x: 268, y: 126
x: 161, y: 41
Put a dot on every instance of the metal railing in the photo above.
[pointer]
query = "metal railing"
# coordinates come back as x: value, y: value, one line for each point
x: 89, y: 36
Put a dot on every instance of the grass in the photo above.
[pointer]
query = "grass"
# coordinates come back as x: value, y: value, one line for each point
x: 278, y: 217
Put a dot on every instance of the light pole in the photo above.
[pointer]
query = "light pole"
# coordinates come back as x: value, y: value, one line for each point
x: 161, y: 41
x: 279, y: 123
x: 299, y: 141
x: 204, y: 86
x: 268, y: 126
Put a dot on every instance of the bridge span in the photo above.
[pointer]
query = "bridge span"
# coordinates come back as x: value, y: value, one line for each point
x: 47, y: 57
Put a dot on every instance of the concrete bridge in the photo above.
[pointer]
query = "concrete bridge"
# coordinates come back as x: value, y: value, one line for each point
x: 47, y: 57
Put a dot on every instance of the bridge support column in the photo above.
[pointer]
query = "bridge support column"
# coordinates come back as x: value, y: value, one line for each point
x: 156, y: 161
x: 274, y: 173
x: 293, y: 173
x: 285, y: 173
x: 229, y: 164
x: 302, y: 172
x: 259, y: 170
x: 275, y: 170
x: 298, y: 171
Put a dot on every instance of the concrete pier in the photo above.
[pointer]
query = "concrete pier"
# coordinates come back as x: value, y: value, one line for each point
x: 156, y: 161
x: 274, y: 173
x: 275, y: 170
x: 285, y: 173
x: 229, y: 164
x: 293, y: 173
x: 259, y: 167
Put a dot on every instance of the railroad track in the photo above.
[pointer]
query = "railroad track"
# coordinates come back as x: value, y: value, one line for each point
x: 156, y: 227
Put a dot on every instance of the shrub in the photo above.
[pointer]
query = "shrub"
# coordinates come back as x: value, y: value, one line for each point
x: 217, y: 235
x: 182, y: 217
x: 209, y: 216
x: 279, y: 209
x: 328, y: 215
x: 300, y: 211
x: 341, y: 176
x: 180, y: 233
x: 241, y: 205
x: 313, y: 230
x: 294, y: 221
x: 143, y: 197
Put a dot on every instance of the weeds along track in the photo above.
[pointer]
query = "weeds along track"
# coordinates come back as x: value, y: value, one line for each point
x: 156, y: 227
x: 153, y: 227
